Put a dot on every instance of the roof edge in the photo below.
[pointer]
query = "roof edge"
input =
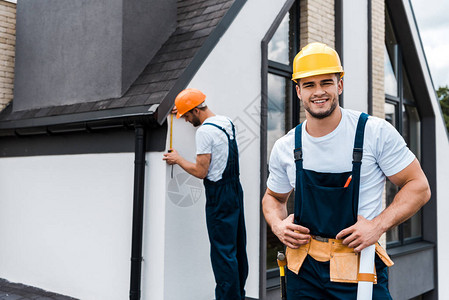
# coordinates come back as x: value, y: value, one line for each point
x: 167, y: 103
x: 65, y: 123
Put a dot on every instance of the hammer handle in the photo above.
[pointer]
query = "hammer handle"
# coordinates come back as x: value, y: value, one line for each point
x: 283, y: 289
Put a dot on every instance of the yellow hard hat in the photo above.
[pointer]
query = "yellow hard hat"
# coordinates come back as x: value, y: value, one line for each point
x: 316, y: 59
x: 188, y: 99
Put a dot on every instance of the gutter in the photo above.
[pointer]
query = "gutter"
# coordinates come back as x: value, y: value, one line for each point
x: 79, y: 122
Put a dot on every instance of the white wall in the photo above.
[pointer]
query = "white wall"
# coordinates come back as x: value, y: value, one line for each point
x: 154, y: 228
x: 65, y: 223
x: 355, y: 54
x: 231, y: 79
x: 187, y: 270
x: 442, y: 207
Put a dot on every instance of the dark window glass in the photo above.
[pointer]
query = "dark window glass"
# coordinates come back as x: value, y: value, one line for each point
x: 402, y: 113
x: 278, y: 47
x: 408, y: 94
x: 390, y: 113
x: 278, y: 91
x: 391, y: 84
x: 281, y: 106
x: 412, y: 129
x: 393, y: 234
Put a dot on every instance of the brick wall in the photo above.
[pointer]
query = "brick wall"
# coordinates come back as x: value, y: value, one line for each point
x: 378, y: 42
x: 317, y: 24
x: 7, y: 51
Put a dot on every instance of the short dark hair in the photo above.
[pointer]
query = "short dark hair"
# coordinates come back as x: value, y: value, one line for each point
x: 202, y: 106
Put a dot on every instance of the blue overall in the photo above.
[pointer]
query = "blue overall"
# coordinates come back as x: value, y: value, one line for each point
x: 226, y: 227
x: 325, y: 207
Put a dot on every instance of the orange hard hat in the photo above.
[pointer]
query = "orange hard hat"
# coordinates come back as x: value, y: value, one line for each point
x: 188, y: 99
x: 316, y: 59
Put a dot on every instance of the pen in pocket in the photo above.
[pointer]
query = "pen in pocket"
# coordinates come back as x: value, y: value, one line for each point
x: 348, y: 181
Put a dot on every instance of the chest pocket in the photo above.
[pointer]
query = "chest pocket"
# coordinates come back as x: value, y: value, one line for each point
x: 327, y: 203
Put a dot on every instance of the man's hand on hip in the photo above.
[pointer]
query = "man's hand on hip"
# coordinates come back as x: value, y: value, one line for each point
x: 290, y: 234
x: 362, y: 234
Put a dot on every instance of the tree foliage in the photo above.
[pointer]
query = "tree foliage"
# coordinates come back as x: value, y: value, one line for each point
x: 443, y: 96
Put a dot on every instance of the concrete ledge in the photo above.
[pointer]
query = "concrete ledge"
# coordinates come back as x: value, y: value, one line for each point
x: 413, y: 272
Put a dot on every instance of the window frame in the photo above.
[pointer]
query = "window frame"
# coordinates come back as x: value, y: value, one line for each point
x: 270, y: 278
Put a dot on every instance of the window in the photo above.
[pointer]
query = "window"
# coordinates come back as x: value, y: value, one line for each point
x: 401, y: 111
x: 282, y: 106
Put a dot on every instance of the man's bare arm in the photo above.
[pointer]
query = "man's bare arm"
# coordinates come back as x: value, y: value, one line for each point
x: 274, y: 207
x: 198, y: 169
x: 413, y: 194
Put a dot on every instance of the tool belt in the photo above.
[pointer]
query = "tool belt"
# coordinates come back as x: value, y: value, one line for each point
x: 344, y: 262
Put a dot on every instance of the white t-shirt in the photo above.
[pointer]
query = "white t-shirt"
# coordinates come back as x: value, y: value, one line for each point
x: 211, y: 140
x: 385, y: 153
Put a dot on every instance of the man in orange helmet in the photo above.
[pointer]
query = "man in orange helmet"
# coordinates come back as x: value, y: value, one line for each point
x: 336, y: 161
x: 217, y: 162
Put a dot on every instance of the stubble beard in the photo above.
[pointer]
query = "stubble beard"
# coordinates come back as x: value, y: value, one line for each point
x: 196, y: 121
x: 322, y: 115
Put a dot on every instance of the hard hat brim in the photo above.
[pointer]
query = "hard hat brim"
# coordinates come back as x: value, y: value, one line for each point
x: 300, y: 75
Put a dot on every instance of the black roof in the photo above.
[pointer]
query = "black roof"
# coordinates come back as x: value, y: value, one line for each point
x: 200, y: 25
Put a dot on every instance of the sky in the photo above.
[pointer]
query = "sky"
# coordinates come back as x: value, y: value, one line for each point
x: 433, y: 22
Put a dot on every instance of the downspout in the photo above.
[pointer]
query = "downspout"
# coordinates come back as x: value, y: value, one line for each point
x: 137, y: 231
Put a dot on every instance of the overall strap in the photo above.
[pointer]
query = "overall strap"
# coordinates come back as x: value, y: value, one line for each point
x: 233, y: 129
x: 357, y: 156
x: 234, y: 148
x: 232, y: 166
x: 222, y: 129
x: 297, y: 152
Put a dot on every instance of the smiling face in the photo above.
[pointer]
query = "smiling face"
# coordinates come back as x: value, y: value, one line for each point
x: 319, y: 94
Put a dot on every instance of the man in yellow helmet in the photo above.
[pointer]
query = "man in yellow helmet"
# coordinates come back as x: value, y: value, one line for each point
x: 217, y: 162
x: 336, y: 161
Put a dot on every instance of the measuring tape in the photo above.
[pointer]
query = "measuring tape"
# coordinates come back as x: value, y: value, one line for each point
x: 171, y: 133
x: 171, y: 140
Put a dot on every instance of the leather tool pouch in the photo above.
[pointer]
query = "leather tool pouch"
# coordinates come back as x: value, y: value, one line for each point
x: 382, y: 253
x: 344, y: 267
x: 295, y: 258
x: 344, y: 262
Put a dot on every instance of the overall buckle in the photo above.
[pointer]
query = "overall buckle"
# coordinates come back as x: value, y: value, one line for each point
x: 297, y: 154
x: 357, y: 155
